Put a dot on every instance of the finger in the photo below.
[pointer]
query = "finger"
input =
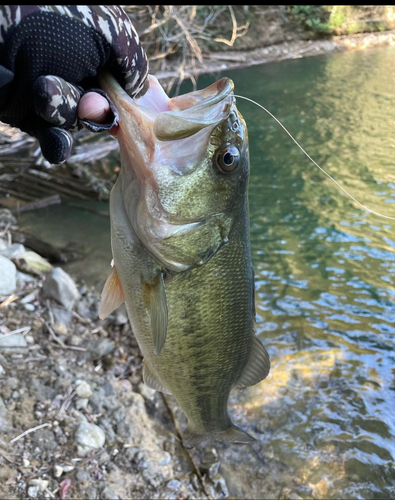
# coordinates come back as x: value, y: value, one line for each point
x: 6, y: 76
x: 94, y: 107
x: 56, y: 143
x: 91, y: 104
x: 56, y: 101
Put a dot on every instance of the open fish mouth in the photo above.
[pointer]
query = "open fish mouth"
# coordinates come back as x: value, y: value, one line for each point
x: 146, y: 123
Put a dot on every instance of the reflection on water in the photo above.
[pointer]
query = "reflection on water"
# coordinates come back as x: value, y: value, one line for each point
x: 325, y: 270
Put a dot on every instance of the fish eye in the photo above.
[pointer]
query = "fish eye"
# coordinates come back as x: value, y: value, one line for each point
x: 228, y: 159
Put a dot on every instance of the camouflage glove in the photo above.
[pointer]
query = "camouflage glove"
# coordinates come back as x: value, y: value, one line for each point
x: 50, y: 55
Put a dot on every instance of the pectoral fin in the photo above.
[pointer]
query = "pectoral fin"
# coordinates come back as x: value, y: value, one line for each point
x: 152, y: 380
x: 156, y: 304
x: 112, y: 295
x: 258, y: 365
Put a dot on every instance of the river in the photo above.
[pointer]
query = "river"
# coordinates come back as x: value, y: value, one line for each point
x: 324, y: 418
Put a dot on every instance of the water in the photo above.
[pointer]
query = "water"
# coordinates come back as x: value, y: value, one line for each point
x: 325, y: 270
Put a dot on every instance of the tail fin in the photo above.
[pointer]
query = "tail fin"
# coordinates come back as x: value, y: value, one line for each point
x: 231, y: 435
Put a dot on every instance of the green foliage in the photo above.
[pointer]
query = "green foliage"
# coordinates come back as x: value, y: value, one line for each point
x: 313, y: 17
x: 342, y: 19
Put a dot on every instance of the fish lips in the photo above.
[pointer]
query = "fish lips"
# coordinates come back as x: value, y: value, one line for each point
x: 194, y: 111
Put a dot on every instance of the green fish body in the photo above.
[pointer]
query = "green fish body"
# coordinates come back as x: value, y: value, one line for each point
x: 182, y: 259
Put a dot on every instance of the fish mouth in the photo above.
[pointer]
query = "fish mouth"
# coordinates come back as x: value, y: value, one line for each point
x: 155, y: 118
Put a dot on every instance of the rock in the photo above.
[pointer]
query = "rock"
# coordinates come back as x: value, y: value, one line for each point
x: 42, y: 484
x: 32, y: 491
x: 59, y: 328
x: 32, y: 263
x: 29, y: 307
x: 24, y: 278
x: 6, y: 217
x: 14, y: 251
x: 45, y: 439
x: 83, y: 310
x: 7, y: 276
x: 11, y: 344
x: 174, y: 485
x: 89, y: 437
x: 75, y: 340
x: 57, y: 470
x: 121, y: 315
x: 100, y: 347
x: 84, y: 389
x: 146, y: 391
x: 82, y: 403
x: 3, y: 408
x: 31, y: 297
x: 60, y: 286
x: 109, y: 494
x: 61, y: 315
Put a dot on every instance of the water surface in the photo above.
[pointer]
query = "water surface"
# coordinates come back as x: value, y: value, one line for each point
x: 325, y: 271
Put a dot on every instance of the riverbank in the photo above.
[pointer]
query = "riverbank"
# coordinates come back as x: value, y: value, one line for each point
x: 220, y: 61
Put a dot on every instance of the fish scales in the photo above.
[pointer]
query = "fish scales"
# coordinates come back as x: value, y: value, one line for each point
x: 180, y: 241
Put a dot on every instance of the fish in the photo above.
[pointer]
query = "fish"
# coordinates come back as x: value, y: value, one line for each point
x: 181, y: 250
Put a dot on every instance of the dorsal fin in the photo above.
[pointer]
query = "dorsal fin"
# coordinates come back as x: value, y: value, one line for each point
x: 258, y: 365
x: 112, y: 295
x: 156, y: 304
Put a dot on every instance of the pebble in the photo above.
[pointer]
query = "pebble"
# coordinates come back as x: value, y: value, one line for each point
x: 89, y: 436
x: 59, y: 328
x: 83, y: 389
x: 146, y: 391
x: 61, y: 287
x: 33, y: 263
x: 41, y: 484
x: 174, y: 485
x: 75, y: 340
x: 68, y: 468
x: 14, y: 251
x: 32, y: 491
x: 81, y: 403
x: 29, y: 307
x: 2, y: 371
x: 101, y: 347
x: 57, y: 470
x: 10, y: 344
x: 7, y: 276
x: 31, y: 297
x: 62, y: 315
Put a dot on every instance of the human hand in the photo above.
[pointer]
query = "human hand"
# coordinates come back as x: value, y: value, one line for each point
x: 50, y: 57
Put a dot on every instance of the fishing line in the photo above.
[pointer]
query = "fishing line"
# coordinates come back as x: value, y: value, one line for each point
x: 315, y: 163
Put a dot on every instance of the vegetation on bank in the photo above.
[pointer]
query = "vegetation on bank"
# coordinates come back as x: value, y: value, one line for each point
x: 183, y: 36
x: 343, y: 19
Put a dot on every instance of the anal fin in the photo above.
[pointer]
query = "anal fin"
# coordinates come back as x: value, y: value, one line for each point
x: 258, y: 365
x: 152, y: 380
x: 156, y: 304
x: 112, y: 295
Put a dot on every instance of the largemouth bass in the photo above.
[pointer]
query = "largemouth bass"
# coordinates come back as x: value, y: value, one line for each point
x: 181, y: 250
